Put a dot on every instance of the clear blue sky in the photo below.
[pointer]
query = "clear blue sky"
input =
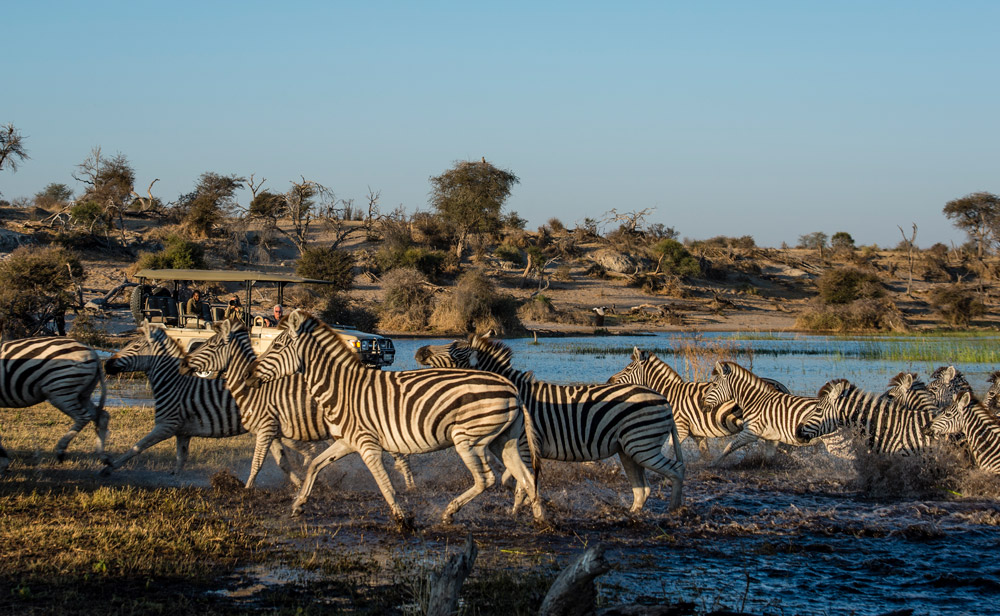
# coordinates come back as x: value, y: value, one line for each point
x: 772, y: 119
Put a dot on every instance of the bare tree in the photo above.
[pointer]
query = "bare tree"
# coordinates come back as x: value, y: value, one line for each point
x: 109, y: 183
x: 911, y: 245
x: 631, y: 222
x: 12, y: 150
x: 148, y: 203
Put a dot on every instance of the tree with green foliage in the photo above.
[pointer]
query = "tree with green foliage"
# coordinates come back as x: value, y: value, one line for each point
x: 213, y: 198
x: 54, y: 194
x: 470, y: 196
x: 957, y: 305
x: 978, y: 214
x: 844, y: 285
x: 814, y: 241
x: 673, y: 258
x: 178, y: 253
x: 327, y: 263
x: 37, y: 285
x: 842, y: 241
x: 109, y: 183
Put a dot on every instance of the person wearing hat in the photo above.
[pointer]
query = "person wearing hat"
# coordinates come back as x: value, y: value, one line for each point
x: 235, y: 309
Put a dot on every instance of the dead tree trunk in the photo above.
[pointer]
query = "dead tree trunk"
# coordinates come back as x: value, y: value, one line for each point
x: 445, y: 585
x: 573, y: 593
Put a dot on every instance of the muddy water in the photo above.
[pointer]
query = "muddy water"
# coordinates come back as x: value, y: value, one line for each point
x: 784, y: 537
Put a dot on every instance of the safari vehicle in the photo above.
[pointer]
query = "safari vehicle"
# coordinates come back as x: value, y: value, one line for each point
x: 157, y: 299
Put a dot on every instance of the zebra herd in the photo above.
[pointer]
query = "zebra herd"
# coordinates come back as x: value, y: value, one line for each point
x: 309, y: 393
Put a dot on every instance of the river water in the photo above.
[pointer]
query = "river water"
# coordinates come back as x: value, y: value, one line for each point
x: 792, y: 538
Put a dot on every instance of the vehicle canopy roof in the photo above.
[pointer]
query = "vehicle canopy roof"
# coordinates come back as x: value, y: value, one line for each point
x: 199, y: 275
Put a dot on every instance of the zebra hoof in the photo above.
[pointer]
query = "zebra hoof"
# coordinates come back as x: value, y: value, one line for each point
x: 297, y: 510
x: 406, y: 525
x: 107, y: 470
x: 61, y: 457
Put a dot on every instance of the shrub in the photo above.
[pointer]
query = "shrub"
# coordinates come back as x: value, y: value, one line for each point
x: 512, y: 221
x: 673, y: 258
x: 859, y: 315
x: 90, y: 215
x: 340, y: 309
x: 842, y: 241
x: 177, y: 254
x: 539, y: 308
x: 556, y: 225
x: 327, y: 263
x: 475, y: 306
x: 507, y: 252
x: 845, y: 285
x: 432, y: 230
x: 429, y: 262
x: 407, y: 302
x: 36, y: 285
x: 956, y: 305
x: 86, y: 330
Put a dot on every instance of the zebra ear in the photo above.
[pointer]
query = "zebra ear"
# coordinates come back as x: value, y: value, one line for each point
x: 949, y: 373
x: 907, y: 381
x: 295, y: 320
x: 223, y: 327
x: 965, y: 400
x: 636, y: 354
x: 721, y: 368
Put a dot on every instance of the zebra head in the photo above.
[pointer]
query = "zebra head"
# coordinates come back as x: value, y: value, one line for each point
x: 216, y: 353
x: 829, y: 403
x: 952, y: 419
x: 456, y: 354
x: 152, y: 348
x: 283, y: 357
x: 720, y: 389
x: 635, y: 372
x: 946, y: 383
x: 991, y: 401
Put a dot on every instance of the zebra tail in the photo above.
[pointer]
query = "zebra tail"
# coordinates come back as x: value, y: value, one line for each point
x: 104, y: 387
x: 534, y: 446
x: 678, y: 455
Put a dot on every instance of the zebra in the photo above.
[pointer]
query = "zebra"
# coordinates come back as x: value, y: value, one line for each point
x: 413, y: 411
x: 967, y: 416
x: 888, y: 425
x: 767, y: 413
x: 185, y: 405
x: 910, y: 392
x: 946, y: 383
x: 281, y: 408
x: 588, y: 422
x: 992, y: 398
x: 62, y: 371
x: 686, y: 398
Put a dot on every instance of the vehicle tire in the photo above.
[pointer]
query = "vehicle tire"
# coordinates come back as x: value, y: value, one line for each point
x: 135, y: 302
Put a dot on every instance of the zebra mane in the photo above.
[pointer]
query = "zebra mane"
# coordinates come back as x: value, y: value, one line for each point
x: 993, y: 377
x: 172, y: 347
x: 309, y: 323
x: 959, y: 379
x: 497, y: 350
x: 916, y: 383
x: 825, y: 389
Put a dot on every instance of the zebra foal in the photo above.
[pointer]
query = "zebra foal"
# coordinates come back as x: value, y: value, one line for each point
x: 413, y: 411
x: 887, y: 425
x: 580, y: 423
x: 283, y: 408
x: 910, y: 392
x: 184, y: 405
x: 965, y: 415
x: 62, y: 371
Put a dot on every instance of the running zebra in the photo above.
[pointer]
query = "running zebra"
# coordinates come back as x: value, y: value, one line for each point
x: 686, y: 398
x: 767, y: 413
x: 981, y: 429
x: 910, y: 392
x: 281, y: 408
x: 992, y: 399
x: 588, y: 422
x: 185, y: 405
x: 887, y: 425
x: 61, y: 371
x: 946, y: 383
x: 412, y: 411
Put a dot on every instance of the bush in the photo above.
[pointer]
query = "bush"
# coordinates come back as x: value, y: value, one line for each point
x: 860, y: 315
x: 845, y: 285
x: 177, y: 254
x: 340, y: 309
x: 431, y: 263
x: 507, y: 252
x: 475, y: 306
x: 674, y: 259
x: 36, y: 285
x: 556, y: 225
x: 85, y: 329
x: 432, y: 230
x: 842, y: 241
x: 407, y: 302
x: 327, y: 263
x: 539, y: 308
x: 90, y: 215
x: 956, y: 305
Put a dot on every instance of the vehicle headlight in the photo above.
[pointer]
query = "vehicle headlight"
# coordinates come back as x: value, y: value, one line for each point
x: 366, y: 345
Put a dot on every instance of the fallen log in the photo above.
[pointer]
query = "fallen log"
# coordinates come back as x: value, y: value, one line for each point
x: 574, y: 593
x: 444, y: 585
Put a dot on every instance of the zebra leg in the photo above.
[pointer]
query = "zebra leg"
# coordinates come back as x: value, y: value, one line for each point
x: 183, y: 446
x: 474, y: 457
x: 371, y: 455
x: 158, y: 434
x: 4, y: 460
x: 402, y: 465
x: 498, y: 449
x: 80, y: 420
x: 743, y: 438
x: 517, y: 459
x: 331, y: 454
x: 264, y: 440
x: 671, y: 469
x: 637, y: 479
x: 703, y: 449
x: 101, y: 420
